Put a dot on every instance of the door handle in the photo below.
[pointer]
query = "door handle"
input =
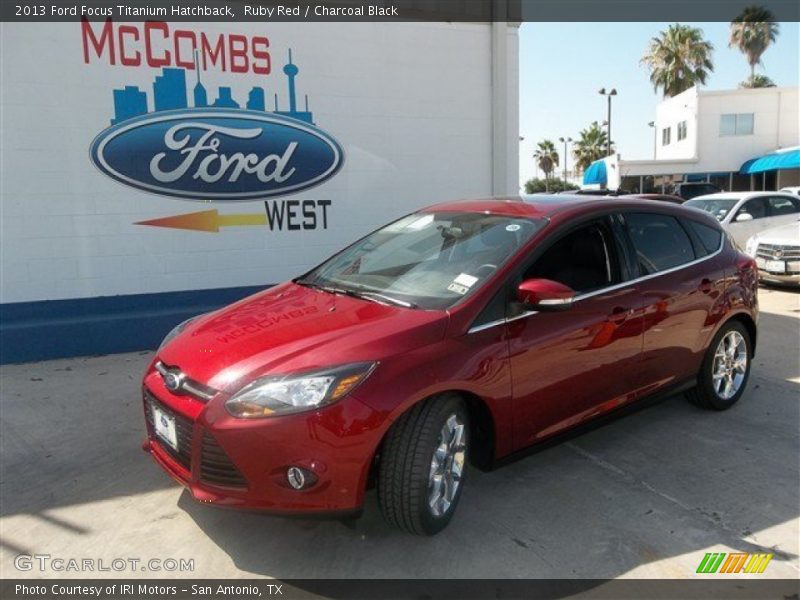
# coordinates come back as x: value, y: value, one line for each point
x: 706, y: 286
x: 619, y: 314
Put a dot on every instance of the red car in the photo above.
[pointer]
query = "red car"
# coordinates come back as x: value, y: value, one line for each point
x: 465, y: 331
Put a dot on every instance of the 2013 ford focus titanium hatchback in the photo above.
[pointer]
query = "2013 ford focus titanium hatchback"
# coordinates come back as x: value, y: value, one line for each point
x: 463, y: 332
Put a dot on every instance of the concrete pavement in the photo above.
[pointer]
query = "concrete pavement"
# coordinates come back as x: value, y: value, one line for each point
x: 645, y: 496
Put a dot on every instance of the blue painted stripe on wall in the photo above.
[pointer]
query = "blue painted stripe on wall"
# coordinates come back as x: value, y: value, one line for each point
x: 88, y: 326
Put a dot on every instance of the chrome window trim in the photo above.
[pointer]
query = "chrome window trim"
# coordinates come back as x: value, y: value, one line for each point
x: 605, y: 290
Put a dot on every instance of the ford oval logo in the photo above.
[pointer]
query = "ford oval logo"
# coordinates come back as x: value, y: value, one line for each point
x: 217, y: 154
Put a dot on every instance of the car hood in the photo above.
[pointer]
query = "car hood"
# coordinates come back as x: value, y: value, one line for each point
x: 291, y: 328
x: 785, y: 235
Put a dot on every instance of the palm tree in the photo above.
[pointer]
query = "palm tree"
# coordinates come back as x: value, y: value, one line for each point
x: 678, y: 59
x: 590, y: 146
x: 547, y: 158
x: 757, y: 81
x: 752, y: 32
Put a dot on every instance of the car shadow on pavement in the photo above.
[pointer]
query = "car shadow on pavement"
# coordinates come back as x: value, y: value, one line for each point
x: 668, y: 481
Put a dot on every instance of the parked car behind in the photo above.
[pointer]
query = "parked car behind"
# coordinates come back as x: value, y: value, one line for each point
x: 744, y: 214
x: 792, y: 190
x: 590, y: 192
x: 393, y: 360
x: 690, y: 190
x: 777, y: 254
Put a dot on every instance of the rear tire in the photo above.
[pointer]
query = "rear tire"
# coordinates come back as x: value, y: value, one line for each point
x: 421, y: 472
x: 726, y: 369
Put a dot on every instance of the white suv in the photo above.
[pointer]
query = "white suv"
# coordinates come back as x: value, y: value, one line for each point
x: 744, y: 214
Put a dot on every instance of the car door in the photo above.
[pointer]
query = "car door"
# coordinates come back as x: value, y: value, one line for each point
x: 571, y: 365
x: 742, y: 227
x: 681, y: 285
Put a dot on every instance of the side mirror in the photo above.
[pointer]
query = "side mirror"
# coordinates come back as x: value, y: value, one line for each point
x: 545, y: 295
x: 743, y: 216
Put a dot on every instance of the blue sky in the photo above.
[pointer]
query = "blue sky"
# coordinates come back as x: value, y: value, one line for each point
x: 562, y: 65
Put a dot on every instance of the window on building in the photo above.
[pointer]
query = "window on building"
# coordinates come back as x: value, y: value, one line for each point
x: 666, y: 134
x: 736, y: 124
x: 681, y: 130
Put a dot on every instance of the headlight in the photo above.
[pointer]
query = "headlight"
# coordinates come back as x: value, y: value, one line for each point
x: 175, y: 331
x: 285, y: 394
x: 752, y: 246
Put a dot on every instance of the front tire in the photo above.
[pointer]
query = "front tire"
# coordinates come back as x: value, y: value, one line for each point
x: 422, y: 462
x: 725, y: 370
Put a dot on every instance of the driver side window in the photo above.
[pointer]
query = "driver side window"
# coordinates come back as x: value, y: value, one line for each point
x: 584, y: 259
x: 757, y: 208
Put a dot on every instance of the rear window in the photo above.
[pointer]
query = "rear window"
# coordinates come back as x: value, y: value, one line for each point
x: 710, y: 237
x: 660, y: 242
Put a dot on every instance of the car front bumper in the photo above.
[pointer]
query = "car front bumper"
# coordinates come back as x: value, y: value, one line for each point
x: 242, y: 463
x: 789, y: 278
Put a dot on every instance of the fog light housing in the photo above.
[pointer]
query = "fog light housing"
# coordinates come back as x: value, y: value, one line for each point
x: 300, y: 479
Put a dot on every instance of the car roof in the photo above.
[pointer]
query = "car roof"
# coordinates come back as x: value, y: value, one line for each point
x: 538, y: 206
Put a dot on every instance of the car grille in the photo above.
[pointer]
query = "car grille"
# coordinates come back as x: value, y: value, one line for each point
x: 767, y: 251
x: 183, y: 429
x: 215, y: 466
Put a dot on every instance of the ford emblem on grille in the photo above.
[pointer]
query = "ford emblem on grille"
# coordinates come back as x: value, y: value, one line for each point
x: 173, y: 380
x: 778, y: 254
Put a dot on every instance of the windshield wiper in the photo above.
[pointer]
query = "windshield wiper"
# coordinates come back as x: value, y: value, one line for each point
x: 362, y: 294
x: 322, y: 287
x: 382, y: 298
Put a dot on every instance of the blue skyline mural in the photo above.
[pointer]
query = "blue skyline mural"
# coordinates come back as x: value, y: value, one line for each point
x: 170, y: 92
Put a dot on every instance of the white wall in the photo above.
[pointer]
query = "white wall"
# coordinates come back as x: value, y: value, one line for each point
x: 669, y: 113
x: 775, y: 125
x: 410, y: 103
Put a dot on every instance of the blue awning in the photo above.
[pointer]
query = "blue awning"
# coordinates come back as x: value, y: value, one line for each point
x: 771, y: 162
x: 596, y: 173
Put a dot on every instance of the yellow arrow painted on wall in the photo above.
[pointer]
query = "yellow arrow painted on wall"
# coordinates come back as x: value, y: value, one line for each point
x: 207, y: 220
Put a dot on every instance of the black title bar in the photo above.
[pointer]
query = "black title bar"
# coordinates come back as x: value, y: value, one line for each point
x: 389, y: 10
x: 398, y: 589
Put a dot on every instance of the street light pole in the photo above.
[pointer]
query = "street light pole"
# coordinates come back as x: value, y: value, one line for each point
x: 566, y: 141
x: 613, y: 92
x: 655, y: 131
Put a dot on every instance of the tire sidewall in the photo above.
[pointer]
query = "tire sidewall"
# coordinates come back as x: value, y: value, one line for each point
x: 433, y: 524
x: 708, y: 367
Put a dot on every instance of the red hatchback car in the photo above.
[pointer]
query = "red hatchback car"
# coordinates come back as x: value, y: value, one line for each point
x: 465, y: 331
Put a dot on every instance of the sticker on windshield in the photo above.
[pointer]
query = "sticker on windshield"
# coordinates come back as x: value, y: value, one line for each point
x: 465, y: 280
x: 458, y: 289
x: 512, y: 227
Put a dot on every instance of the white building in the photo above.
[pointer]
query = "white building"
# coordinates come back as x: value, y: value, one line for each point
x: 705, y: 135
x: 108, y: 238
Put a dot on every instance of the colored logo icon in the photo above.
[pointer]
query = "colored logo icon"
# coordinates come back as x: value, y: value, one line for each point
x: 734, y: 562
x: 216, y: 151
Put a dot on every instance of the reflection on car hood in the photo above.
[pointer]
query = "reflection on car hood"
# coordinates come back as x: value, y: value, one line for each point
x: 785, y: 235
x: 292, y: 328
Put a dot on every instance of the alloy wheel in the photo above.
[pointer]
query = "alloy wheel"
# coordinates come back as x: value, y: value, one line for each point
x: 730, y: 365
x: 447, y: 466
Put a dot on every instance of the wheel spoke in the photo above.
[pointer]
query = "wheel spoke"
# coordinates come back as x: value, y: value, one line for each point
x: 447, y: 465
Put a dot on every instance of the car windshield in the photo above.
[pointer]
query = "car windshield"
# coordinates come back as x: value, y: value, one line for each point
x: 425, y: 260
x: 719, y: 207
